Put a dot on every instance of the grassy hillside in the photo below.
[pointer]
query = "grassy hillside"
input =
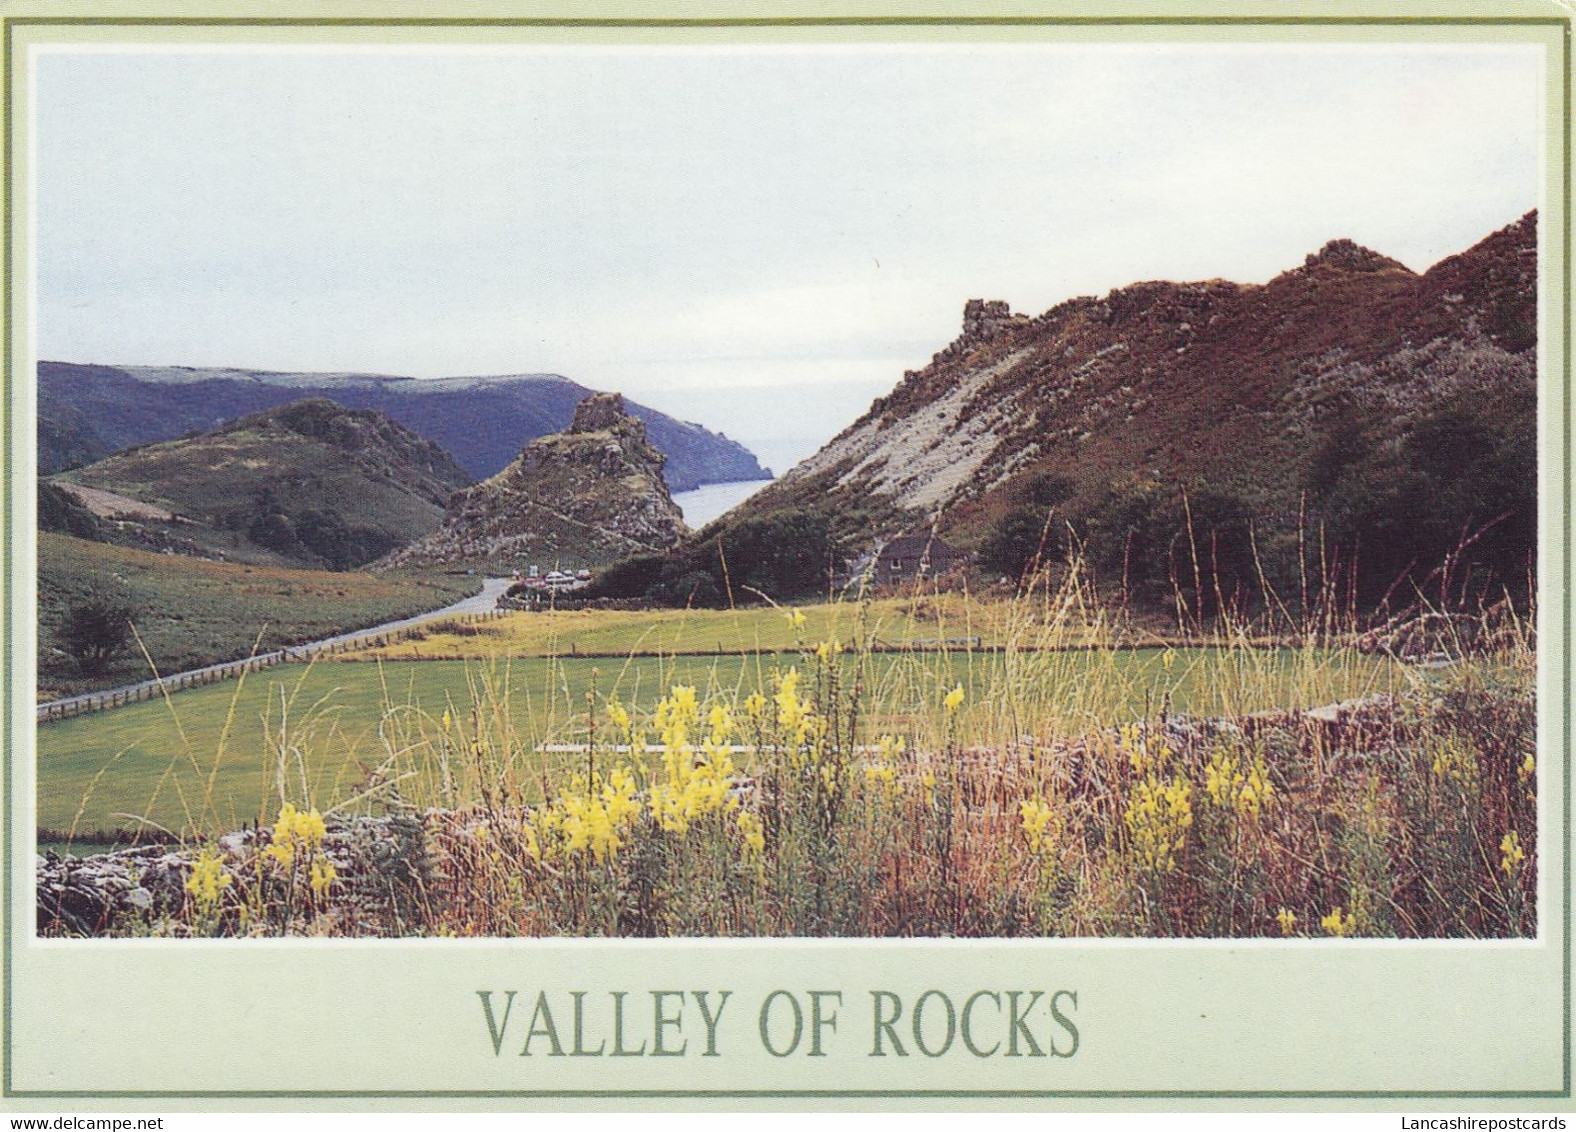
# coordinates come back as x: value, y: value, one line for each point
x: 191, y: 613
x: 88, y: 411
x: 309, y: 484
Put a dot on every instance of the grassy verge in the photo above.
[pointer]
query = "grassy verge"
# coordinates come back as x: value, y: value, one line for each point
x: 190, y: 613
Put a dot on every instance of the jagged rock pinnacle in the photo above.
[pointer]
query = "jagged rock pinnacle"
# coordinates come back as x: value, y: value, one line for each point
x: 601, y: 412
x: 1348, y: 255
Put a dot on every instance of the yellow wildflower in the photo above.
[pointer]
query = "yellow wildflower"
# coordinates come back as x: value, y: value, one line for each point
x: 533, y: 845
x: 323, y: 874
x: 1528, y: 767
x: 754, y: 835
x: 448, y: 720
x: 618, y: 797
x: 591, y: 818
x: 1158, y: 816
x: 1137, y: 747
x: 721, y: 721
x: 1168, y: 658
x: 295, y: 831
x: 1231, y: 784
x: 754, y: 705
x: 1221, y: 778
x: 953, y: 699
x: 1337, y: 925
x: 792, y: 715
x: 928, y: 781
x: 676, y: 715
x: 617, y: 716
x: 1456, y: 761
x: 1511, y: 854
x: 1036, y: 818
x: 795, y: 619
x: 692, y: 789
x: 311, y: 830
x: 208, y: 877
x: 1287, y: 920
x: 883, y: 768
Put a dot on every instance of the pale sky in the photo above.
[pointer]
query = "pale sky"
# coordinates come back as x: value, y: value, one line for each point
x: 760, y: 240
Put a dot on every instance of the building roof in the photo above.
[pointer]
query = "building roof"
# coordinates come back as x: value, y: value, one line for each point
x: 918, y: 546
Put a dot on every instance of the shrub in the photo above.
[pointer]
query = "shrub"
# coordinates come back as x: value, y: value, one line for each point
x: 94, y: 630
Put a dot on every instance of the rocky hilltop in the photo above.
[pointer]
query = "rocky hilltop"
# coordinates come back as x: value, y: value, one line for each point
x: 85, y: 412
x: 1095, y: 387
x: 582, y: 497
x: 1327, y: 397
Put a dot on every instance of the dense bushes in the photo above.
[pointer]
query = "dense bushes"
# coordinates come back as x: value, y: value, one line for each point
x: 784, y: 556
x: 1442, y: 509
x: 313, y: 533
x: 1448, y: 511
x: 1030, y: 531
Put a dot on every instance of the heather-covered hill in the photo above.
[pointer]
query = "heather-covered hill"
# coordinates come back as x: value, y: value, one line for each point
x: 1200, y: 434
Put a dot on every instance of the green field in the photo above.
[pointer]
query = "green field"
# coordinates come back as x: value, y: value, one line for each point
x: 192, y: 613
x: 601, y: 632
x: 208, y: 758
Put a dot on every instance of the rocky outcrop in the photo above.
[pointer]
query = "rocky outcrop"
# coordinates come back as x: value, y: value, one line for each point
x: 602, y: 412
x: 579, y: 498
x: 1348, y: 255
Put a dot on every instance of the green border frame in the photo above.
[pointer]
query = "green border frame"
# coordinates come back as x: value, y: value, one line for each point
x: 7, y: 573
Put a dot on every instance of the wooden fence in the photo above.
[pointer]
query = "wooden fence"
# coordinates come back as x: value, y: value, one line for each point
x: 200, y: 677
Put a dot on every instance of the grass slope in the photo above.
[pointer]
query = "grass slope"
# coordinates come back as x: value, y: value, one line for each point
x: 192, y: 612
x: 310, y: 484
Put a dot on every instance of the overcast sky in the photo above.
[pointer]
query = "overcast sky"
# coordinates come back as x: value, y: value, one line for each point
x: 759, y: 240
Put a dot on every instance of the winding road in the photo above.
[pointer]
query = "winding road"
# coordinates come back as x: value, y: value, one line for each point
x: 484, y: 602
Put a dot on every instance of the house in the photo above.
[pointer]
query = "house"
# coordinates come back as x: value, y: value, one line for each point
x: 558, y: 581
x: 911, y: 556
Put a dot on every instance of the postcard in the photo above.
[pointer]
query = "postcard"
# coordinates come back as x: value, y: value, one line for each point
x: 771, y: 557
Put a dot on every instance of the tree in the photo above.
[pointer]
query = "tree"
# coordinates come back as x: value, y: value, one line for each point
x: 94, y: 630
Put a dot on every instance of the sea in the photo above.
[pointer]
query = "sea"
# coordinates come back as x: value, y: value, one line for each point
x: 704, y: 504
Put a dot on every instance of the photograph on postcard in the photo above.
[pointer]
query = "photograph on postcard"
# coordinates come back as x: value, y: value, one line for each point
x: 1064, y: 490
